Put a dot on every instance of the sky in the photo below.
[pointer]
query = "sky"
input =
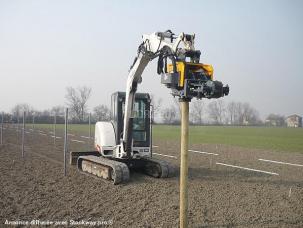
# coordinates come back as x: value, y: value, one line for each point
x: 45, y: 46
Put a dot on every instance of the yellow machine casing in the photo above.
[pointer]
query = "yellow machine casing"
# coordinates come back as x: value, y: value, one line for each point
x: 184, y: 68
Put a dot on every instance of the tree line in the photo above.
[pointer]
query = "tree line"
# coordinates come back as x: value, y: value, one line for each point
x: 76, y: 101
x: 216, y: 112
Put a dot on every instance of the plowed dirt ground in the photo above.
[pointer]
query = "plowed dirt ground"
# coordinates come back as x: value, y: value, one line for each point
x: 34, y: 187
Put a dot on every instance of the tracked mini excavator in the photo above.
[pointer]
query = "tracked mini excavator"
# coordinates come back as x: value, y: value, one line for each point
x: 125, y: 142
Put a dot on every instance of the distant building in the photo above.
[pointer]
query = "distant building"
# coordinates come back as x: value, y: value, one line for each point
x: 271, y: 122
x: 294, y: 121
x: 275, y: 120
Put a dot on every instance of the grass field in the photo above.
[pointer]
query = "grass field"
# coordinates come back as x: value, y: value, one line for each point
x: 276, y: 139
x: 74, y: 128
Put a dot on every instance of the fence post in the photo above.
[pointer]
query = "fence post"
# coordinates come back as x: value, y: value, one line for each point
x: 151, y: 129
x: 90, y: 129
x: 55, y: 122
x: 2, y: 128
x: 33, y: 127
x: 23, y: 129
x: 65, y: 140
x: 18, y: 128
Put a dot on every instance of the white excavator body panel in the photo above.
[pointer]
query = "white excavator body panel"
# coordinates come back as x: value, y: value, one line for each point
x: 105, y: 139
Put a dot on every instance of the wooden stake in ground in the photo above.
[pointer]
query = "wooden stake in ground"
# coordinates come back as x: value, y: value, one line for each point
x: 184, y: 164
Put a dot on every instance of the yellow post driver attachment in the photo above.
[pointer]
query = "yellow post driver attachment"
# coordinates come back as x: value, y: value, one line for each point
x: 188, y: 80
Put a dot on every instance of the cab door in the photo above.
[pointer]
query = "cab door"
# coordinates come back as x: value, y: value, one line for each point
x: 141, y: 122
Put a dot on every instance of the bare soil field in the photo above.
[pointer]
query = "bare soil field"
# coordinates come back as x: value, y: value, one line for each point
x: 34, y: 187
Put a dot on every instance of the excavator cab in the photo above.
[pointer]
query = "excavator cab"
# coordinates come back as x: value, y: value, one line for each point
x: 140, y: 118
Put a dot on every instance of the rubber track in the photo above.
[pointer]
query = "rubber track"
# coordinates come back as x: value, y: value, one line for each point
x: 121, y: 170
x: 167, y: 169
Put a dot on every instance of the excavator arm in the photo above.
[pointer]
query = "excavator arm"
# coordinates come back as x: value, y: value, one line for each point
x: 151, y: 47
x: 166, y: 46
x: 134, y: 78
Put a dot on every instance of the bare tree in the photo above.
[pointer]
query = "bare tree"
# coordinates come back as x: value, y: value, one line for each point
x: 77, y: 100
x: 169, y: 115
x: 239, y: 118
x: 176, y: 106
x: 197, y: 111
x: 251, y: 116
x: 101, y: 113
x: 18, y: 109
x: 242, y: 114
x: 73, y: 101
x: 156, y: 105
x: 216, y: 111
x: 231, y: 112
x: 58, y: 110
x: 275, y: 120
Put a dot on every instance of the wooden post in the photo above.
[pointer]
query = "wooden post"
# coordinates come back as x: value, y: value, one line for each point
x: 184, y: 164
x: 65, y: 140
